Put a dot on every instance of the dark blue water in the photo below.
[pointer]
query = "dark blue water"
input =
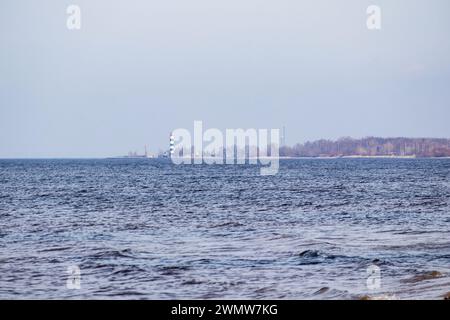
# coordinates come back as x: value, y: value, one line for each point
x: 148, y: 229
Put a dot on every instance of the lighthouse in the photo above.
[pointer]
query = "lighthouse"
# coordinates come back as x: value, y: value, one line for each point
x: 171, y: 144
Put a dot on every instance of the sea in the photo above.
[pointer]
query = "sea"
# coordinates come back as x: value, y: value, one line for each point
x: 150, y: 229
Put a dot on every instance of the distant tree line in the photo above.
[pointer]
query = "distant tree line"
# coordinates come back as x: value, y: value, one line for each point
x: 370, y: 146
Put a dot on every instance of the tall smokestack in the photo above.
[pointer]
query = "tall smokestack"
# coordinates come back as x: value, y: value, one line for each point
x: 283, y: 137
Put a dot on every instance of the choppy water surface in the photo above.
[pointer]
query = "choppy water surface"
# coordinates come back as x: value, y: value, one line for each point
x: 147, y: 229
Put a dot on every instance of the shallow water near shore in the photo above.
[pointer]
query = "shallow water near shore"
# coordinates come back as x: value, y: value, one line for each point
x: 148, y: 229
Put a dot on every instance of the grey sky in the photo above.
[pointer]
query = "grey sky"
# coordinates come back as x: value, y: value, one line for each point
x: 138, y: 69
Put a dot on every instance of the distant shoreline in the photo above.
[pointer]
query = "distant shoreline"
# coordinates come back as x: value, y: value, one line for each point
x: 252, y: 158
x: 371, y: 147
x: 363, y: 157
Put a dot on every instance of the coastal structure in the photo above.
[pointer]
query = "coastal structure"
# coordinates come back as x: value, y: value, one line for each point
x: 135, y: 155
x: 171, y: 144
x: 283, y: 137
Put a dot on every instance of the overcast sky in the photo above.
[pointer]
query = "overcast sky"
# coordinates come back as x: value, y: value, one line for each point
x: 138, y: 69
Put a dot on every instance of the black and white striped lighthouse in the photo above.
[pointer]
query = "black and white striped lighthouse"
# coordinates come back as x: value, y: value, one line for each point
x: 171, y: 144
